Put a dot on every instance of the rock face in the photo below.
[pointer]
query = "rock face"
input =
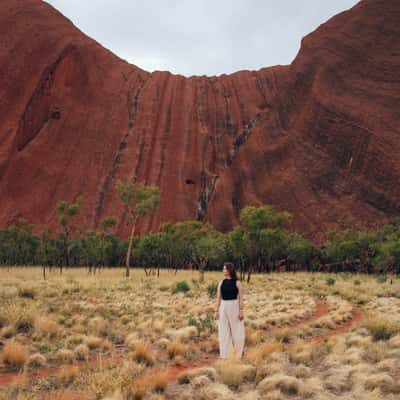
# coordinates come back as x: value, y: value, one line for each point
x: 319, y: 138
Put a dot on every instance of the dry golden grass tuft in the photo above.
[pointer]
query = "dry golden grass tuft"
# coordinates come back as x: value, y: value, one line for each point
x: 35, y: 361
x: 68, y: 374
x: 140, y: 387
x: 252, y: 337
x: 66, y: 356
x: 233, y: 372
x: 143, y: 353
x: 214, y: 391
x: 289, y: 385
x: 93, y: 342
x: 176, y: 348
x: 81, y: 352
x: 159, y: 326
x: 159, y: 381
x: 47, y: 328
x: 383, y: 382
x: 98, y: 326
x: 7, y: 332
x: 262, y: 351
x: 381, y: 329
x: 300, y: 353
x: 190, y: 374
x: 14, y: 355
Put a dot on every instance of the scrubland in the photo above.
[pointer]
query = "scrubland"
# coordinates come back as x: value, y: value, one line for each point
x: 308, y: 336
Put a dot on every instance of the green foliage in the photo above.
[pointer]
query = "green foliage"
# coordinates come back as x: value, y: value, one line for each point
x: 299, y: 249
x: 330, y: 281
x: 181, y: 286
x: 139, y: 198
x: 262, y: 234
x: 18, y: 245
x: 203, y: 324
x: 259, y: 241
x: 212, y: 289
x: 108, y: 222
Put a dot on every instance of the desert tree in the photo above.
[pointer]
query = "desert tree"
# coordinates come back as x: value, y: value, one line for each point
x: 262, y: 228
x: 67, y: 212
x: 106, y: 225
x: 47, y: 249
x: 140, y: 200
x: 210, y: 248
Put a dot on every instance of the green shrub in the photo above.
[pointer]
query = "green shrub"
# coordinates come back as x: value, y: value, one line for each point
x: 181, y: 286
x: 357, y: 282
x: 212, y: 289
x: 330, y: 281
x: 203, y: 324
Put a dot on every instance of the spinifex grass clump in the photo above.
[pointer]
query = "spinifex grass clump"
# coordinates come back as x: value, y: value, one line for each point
x: 14, y: 355
x: 381, y: 329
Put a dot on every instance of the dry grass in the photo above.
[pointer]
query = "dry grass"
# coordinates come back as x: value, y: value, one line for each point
x: 68, y: 374
x: 176, y: 348
x: 262, y: 351
x: 288, y: 385
x: 88, y: 316
x: 35, y: 361
x: 81, y: 352
x: 143, y: 353
x: 191, y: 374
x: 14, y: 355
x: 93, y: 342
x: 382, y: 329
x: 46, y: 327
x: 233, y: 372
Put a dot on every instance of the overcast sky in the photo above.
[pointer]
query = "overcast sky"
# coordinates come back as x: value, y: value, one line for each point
x: 202, y: 37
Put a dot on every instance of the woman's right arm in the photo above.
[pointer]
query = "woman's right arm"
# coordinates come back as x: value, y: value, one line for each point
x: 216, y: 313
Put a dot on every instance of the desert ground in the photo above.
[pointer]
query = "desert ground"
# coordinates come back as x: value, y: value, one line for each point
x: 308, y: 336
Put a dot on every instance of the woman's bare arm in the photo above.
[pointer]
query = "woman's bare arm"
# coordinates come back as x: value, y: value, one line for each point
x: 240, y: 295
x: 218, y: 298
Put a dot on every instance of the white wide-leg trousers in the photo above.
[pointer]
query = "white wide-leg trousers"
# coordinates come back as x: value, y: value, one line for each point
x: 230, y: 328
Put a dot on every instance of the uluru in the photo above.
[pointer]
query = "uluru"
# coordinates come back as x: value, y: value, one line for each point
x: 319, y: 138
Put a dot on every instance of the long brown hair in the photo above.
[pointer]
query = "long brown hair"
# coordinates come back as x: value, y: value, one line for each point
x: 231, y: 269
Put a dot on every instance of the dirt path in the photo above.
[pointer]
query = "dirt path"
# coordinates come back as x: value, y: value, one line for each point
x: 174, y: 370
x: 357, y: 316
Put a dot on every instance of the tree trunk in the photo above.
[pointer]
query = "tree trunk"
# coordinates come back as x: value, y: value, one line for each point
x: 249, y: 273
x: 128, y: 255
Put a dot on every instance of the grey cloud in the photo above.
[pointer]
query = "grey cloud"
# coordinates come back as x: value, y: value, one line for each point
x: 201, y: 37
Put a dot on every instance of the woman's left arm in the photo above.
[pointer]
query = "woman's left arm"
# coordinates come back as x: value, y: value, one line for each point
x: 240, y: 289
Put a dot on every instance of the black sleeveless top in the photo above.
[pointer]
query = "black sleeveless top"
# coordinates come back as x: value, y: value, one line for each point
x: 229, y: 290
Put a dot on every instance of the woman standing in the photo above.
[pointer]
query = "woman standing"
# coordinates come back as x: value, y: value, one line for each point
x: 229, y: 313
